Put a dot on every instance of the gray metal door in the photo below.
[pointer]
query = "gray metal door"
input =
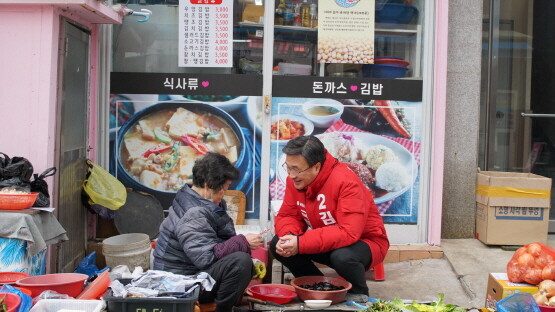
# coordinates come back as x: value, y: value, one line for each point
x: 73, y: 142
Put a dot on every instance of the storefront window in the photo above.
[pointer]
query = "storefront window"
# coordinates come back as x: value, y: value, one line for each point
x: 343, y: 38
x: 154, y: 46
x: 394, y: 37
x: 347, y: 71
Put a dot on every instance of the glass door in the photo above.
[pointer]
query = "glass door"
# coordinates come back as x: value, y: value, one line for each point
x: 351, y: 75
x: 518, y: 113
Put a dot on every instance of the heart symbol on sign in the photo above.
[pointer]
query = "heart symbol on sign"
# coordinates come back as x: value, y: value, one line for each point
x: 205, y: 83
x: 354, y: 88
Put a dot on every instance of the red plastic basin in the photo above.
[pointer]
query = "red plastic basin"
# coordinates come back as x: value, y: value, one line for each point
x: 12, y: 301
x: 64, y: 283
x: 17, y: 201
x: 546, y: 308
x: 11, y: 277
x: 25, y: 291
x: 271, y: 293
x: 288, y: 287
x: 335, y: 296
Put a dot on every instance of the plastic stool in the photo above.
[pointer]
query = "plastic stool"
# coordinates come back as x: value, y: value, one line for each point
x: 379, y: 272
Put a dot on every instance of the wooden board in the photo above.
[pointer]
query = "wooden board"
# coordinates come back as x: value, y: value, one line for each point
x: 236, y: 205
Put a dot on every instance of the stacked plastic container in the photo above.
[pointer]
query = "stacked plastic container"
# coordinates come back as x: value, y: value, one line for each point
x: 131, y: 249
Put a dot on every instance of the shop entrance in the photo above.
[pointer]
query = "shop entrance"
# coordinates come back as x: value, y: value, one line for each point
x: 273, y: 77
x: 517, y: 123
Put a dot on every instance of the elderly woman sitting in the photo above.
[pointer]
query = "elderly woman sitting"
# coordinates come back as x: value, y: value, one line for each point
x: 198, y: 235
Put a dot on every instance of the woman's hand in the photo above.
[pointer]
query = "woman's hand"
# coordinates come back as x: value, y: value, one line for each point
x: 255, y: 240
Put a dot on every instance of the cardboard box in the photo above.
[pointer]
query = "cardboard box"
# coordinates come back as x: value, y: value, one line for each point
x: 253, y: 13
x: 97, y: 246
x: 500, y: 287
x: 512, y: 208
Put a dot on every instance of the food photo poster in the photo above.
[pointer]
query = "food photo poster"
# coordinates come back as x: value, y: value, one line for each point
x: 155, y: 138
x: 378, y: 139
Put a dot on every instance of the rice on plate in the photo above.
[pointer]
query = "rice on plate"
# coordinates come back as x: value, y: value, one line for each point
x: 383, y: 165
x: 392, y: 177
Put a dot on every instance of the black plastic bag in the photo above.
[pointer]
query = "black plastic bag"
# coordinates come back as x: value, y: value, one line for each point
x: 40, y: 186
x: 15, y: 172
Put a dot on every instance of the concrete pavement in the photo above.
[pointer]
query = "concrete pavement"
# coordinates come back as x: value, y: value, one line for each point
x: 461, y: 274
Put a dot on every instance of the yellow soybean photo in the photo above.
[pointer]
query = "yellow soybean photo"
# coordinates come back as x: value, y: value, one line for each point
x: 346, y: 31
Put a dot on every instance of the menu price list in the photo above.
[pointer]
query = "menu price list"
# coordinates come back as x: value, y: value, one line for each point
x: 206, y: 33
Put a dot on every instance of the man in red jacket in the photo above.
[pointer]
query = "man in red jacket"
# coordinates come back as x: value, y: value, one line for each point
x: 327, y: 216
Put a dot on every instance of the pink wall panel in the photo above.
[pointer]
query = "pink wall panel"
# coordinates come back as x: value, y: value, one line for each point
x: 29, y: 85
x: 26, y: 79
x: 438, y: 120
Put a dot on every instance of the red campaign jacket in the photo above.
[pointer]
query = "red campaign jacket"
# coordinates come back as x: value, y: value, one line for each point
x: 334, y: 211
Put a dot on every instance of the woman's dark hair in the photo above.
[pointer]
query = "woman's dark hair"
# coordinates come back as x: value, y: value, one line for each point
x: 213, y: 170
x: 309, y: 146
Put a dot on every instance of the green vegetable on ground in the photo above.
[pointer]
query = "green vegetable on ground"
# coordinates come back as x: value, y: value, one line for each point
x: 383, y: 306
x: 397, y: 305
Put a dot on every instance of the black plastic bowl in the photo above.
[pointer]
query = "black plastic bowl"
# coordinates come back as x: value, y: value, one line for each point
x: 166, y: 197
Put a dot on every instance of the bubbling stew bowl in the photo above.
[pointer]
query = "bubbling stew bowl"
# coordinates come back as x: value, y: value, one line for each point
x: 132, y: 146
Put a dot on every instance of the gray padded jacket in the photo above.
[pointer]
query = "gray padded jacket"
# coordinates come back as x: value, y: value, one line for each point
x: 190, y: 232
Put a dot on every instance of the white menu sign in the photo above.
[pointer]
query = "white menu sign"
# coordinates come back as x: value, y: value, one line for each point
x: 205, y: 33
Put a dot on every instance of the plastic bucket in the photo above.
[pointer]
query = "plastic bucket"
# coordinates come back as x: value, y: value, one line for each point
x: 131, y: 249
x: 125, y: 242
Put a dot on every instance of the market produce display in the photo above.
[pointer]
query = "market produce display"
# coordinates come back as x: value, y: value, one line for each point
x: 546, y: 293
x: 397, y: 305
x: 532, y: 264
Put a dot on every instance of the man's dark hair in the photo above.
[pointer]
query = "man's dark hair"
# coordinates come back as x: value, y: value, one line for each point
x: 213, y: 170
x: 309, y: 146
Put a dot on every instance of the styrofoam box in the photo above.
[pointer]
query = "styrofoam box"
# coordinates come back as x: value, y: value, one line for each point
x: 55, y: 305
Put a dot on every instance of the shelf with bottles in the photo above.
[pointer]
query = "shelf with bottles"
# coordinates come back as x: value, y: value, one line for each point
x: 381, y: 29
x: 396, y: 29
x: 248, y: 30
x: 284, y: 27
